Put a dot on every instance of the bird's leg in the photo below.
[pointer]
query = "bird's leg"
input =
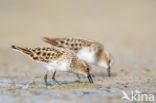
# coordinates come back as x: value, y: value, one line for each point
x: 45, y: 79
x: 109, y: 72
x: 90, y: 78
x: 78, y: 76
x: 53, y: 78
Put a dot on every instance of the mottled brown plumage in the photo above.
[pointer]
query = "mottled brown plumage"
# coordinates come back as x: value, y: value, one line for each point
x: 74, y: 44
x: 91, y: 51
x: 42, y: 54
x: 57, y: 59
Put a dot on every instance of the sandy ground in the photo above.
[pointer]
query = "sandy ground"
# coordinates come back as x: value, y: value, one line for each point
x: 126, y: 28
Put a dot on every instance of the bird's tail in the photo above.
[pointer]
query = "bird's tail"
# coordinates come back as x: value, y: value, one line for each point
x: 50, y: 41
x: 23, y: 50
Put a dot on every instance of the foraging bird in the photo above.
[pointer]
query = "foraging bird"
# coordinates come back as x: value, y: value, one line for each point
x: 91, y: 51
x: 57, y: 59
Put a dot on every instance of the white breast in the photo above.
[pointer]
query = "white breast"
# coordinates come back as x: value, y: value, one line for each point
x: 103, y: 64
x: 59, y: 65
x: 56, y: 65
x: 87, y: 54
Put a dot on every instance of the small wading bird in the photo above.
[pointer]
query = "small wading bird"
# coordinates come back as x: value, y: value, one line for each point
x: 90, y: 51
x: 57, y: 59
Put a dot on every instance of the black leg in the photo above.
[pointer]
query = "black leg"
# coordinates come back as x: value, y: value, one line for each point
x: 45, y: 79
x: 109, y: 72
x: 78, y: 76
x: 53, y: 78
x: 90, y: 79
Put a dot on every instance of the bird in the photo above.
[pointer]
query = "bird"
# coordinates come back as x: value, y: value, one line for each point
x: 91, y: 51
x: 56, y: 59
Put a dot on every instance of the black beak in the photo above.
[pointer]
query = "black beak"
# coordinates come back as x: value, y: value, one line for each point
x: 109, y: 72
x: 90, y: 78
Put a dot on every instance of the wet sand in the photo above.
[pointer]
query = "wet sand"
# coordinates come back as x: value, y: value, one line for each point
x: 126, y: 28
x: 22, y: 81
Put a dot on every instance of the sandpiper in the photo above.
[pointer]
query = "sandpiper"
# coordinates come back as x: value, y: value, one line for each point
x: 57, y: 59
x: 91, y: 51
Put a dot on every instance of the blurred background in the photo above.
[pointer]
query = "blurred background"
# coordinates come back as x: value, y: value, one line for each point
x: 127, y: 28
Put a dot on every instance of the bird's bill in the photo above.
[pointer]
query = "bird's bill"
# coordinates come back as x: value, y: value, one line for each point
x: 90, y: 79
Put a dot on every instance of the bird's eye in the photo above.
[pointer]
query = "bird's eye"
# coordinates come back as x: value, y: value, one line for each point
x: 87, y: 69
